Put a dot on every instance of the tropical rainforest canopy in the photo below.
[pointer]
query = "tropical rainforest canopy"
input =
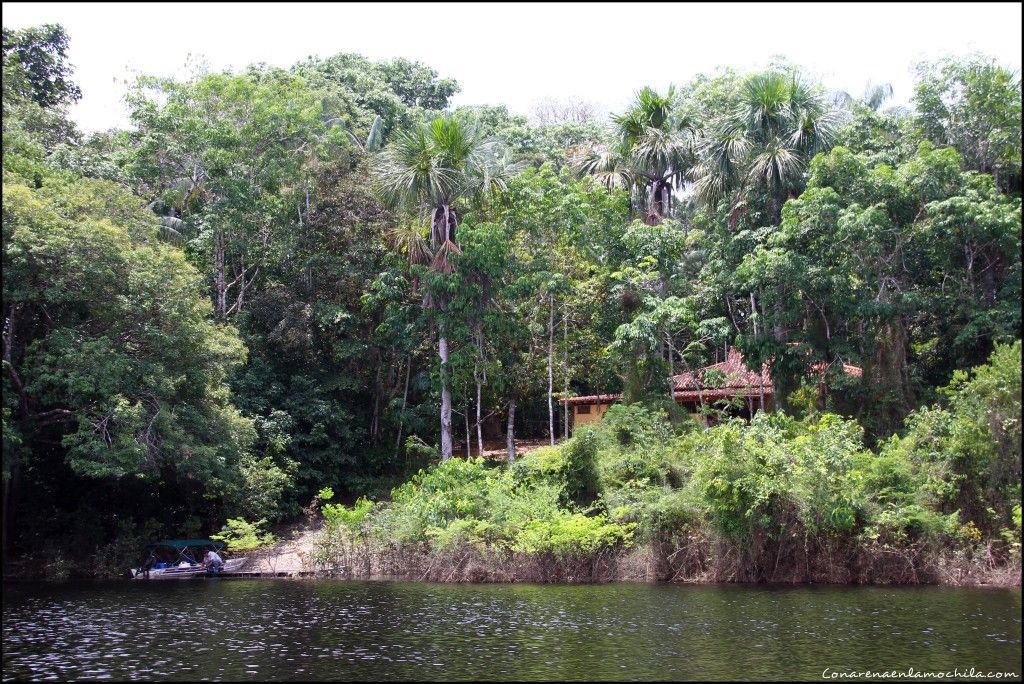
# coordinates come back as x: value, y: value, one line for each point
x: 283, y: 280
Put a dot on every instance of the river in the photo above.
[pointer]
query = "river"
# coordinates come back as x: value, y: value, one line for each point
x: 259, y: 630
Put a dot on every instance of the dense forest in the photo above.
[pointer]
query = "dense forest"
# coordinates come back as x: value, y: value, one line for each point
x: 282, y: 287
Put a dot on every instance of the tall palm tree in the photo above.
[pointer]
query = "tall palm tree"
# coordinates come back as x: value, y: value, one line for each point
x: 766, y: 143
x: 653, y: 156
x: 430, y: 172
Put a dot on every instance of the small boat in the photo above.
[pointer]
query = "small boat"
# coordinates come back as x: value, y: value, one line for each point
x: 177, y: 559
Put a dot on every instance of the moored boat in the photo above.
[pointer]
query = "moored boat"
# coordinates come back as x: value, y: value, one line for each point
x: 177, y: 559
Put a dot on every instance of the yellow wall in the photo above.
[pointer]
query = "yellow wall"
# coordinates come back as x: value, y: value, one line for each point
x: 597, y: 411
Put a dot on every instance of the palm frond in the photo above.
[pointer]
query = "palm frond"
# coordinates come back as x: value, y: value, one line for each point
x: 774, y: 166
x: 875, y: 95
x: 375, y: 137
x: 171, y: 229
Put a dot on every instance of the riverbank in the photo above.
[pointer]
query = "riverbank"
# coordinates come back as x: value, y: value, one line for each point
x: 329, y: 557
x: 638, y: 498
x: 319, y: 551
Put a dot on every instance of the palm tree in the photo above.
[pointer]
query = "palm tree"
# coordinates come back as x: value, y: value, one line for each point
x: 653, y: 155
x: 766, y: 143
x: 430, y: 172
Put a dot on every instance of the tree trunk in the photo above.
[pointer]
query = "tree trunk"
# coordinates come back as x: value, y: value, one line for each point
x: 671, y: 370
x: 551, y: 369
x: 375, y: 421
x: 779, y: 329
x: 446, y: 398
x: 479, y: 432
x: 753, y: 313
x: 469, y: 441
x: 565, y: 369
x: 480, y: 378
x: 510, y: 438
x: 220, y: 279
x: 405, y: 398
x: 441, y: 230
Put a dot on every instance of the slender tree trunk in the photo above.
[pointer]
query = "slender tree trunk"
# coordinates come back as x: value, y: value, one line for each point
x: 469, y: 441
x: 405, y: 398
x: 220, y: 279
x: 479, y: 432
x: 510, y: 438
x: 479, y: 377
x: 671, y: 370
x: 565, y: 369
x: 753, y: 313
x: 375, y: 422
x: 446, y: 398
x: 551, y: 369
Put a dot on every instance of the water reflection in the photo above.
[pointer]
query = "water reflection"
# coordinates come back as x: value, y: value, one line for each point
x: 334, y: 630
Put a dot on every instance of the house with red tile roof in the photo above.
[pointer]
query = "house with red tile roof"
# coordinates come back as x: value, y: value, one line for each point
x: 731, y: 381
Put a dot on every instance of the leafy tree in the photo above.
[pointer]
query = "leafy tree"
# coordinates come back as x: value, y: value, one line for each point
x: 217, y: 155
x: 36, y: 67
x: 973, y: 105
x: 110, y: 356
x: 763, y: 145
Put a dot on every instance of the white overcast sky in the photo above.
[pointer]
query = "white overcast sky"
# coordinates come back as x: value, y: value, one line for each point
x: 516, y: 54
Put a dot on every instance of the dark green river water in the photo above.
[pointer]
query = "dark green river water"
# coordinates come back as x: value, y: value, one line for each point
x: 334, y: 630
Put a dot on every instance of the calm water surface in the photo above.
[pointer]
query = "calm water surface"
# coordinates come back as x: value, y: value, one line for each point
x: 336, y: 630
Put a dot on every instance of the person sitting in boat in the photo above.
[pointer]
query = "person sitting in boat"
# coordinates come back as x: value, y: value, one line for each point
x: 212, y: 561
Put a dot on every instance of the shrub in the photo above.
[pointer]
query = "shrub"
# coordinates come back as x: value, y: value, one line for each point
x: 580, y: 481
x: 968, y: 453
x: 240, y: 535
x: 264, y: 485
x: 418, y: 452
x: 339, y: 515
x: 567, y: 534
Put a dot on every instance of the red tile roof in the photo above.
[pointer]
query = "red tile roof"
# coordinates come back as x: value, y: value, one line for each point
x: 736, y: 376
x: 592, y: 399
x: 739, y: 381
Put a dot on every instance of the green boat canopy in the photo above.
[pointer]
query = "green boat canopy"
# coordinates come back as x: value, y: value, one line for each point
x: 181, y: 544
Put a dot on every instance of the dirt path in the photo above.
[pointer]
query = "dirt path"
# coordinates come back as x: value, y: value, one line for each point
x: 289, y: 554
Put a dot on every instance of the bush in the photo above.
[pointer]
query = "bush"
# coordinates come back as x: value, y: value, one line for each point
x: 633, y: 425
x: 338, y: 515
x: 967, y: 454
x: 240, y: 535
x: 264, y: 485
x: 580, y: 481
x: 778, y: 472
x: 567, y: 534
x: 418, y: 453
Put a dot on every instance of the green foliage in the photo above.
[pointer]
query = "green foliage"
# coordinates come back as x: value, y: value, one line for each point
x: 36, y: 66
x: 241, y: 535
x: 510, y: 508
x: 578, y: 472
x: 966, y: 455
x: 571, y: 533
x: 128, y: 366
x: 339, y: 515
x: 419, y: 452
x: 973, y: 104
x: 263, y: 488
